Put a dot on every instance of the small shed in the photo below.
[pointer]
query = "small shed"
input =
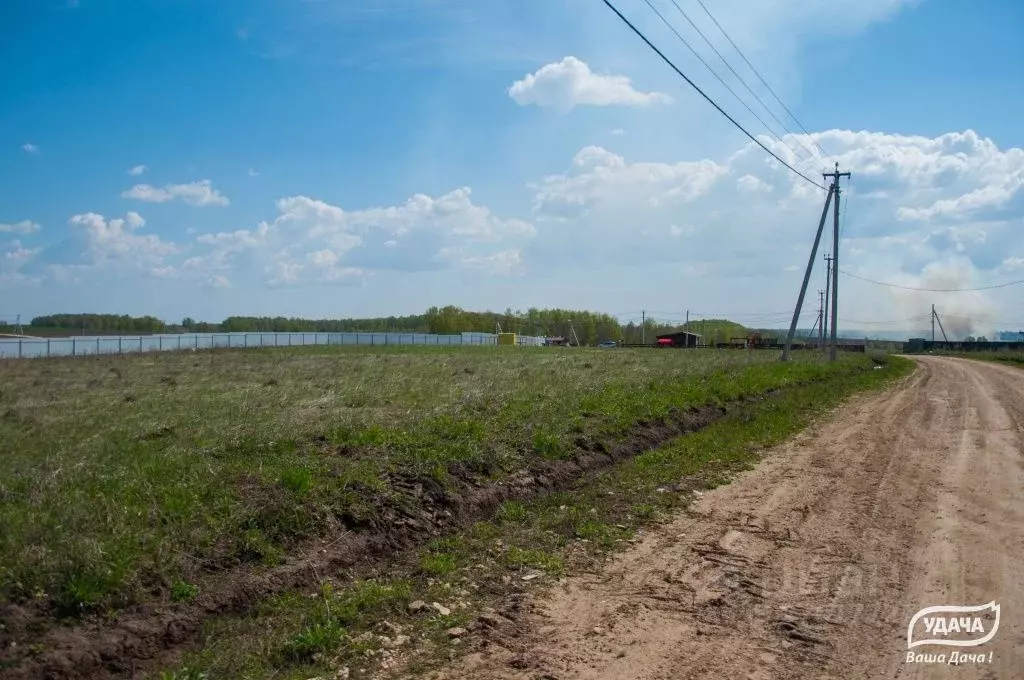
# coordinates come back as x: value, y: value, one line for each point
x: 681, y: 339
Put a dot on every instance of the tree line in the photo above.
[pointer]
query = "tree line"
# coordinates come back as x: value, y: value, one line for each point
x: 589, y: 327
x: 101, y: 322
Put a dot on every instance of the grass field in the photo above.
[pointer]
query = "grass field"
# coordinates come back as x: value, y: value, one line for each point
x: 139, y: 478
x: 1003, y: 356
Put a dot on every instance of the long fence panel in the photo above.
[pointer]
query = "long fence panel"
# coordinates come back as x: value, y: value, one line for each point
x: 29, y: 347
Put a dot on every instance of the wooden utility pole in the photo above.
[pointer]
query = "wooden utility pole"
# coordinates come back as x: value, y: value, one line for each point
x: 835, y: 175
x: 935, y: 317
x: 807, y: 276
x: 643, y: 327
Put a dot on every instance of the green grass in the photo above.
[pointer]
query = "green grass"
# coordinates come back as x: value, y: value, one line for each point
x: 554, y: 533
x: 122, y: 476
x: 1002, y: 356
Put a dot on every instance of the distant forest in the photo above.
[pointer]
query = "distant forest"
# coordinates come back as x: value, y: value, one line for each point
x: 590, y: 327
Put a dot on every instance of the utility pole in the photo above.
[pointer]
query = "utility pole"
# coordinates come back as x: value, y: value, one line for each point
x: 821, y: 318
x: 828, y: 291
x: 835, y: 175
x: 935, y: 317
x: 687, y: 326
x: 643, y: 327
x: 807, y: 274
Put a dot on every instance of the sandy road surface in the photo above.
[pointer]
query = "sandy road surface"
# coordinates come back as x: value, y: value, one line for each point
x: 811, y: 565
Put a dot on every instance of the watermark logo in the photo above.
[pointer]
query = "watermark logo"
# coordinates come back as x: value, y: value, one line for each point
x: 952, y: 626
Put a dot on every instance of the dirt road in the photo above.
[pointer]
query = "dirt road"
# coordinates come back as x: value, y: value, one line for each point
x: 812, y: 565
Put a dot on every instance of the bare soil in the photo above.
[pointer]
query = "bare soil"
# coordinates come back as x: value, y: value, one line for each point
x: 812, y: 564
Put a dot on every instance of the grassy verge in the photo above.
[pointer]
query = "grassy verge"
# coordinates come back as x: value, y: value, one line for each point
x: 128, y: 479
x: 1005, y: 357
x: 364, y: 621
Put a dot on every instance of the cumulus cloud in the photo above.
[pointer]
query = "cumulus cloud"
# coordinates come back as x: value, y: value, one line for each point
x: 313, y: 240
x: 749, y: 183
x: 23, y: 227
x: 569, y: 83
x: 114, y: 239
x: 18, y: 255
x: 1013, y: 263
x: 29, y: 147
x: 137, y: 170
x: 610, y: 211
x: 198, y: 194
x: 600, y: 176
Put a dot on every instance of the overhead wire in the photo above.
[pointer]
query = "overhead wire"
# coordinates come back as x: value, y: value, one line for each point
x: 932, y: 290
x: 964, y: 318
x: 761, y: 78
x: 918, y: 317
x: 811, y: 154
x: 690, y: 47
x: 711, y: 101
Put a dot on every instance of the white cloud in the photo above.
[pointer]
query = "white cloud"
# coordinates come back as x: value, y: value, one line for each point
x: 253, y: 172
x: 323, y: 258
x: 618, y: 132
x: 502, y: 263
x: 749, y: 183
x: 681, y: 232
x: 19, y: 255
x: 217, y: 281
x: 283, y: 271
x: 23, y: 227
x: 197, y: 194
x: 570, y: 82
x: 114, y: 240
x: 991, y: 196
x: 600, y: 176
x: 137, y: 170
x: 607, y: 211
x: 312, y: 240
x: 29, y: 147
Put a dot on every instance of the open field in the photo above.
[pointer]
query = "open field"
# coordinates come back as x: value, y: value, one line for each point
x: 182, y: 487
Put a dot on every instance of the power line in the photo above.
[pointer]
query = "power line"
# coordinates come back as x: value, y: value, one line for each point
x: 760, y: 101
x: 761, y: 78
x: 919, y: 317
x: 678, y: 35
x: 711, y: 101
x: 990, y: 321
x: 932, y: 290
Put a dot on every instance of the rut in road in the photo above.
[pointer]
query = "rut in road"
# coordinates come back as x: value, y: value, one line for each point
x: 813, y: 563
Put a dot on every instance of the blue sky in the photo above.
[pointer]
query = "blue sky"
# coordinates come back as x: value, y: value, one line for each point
x: 368, y: 157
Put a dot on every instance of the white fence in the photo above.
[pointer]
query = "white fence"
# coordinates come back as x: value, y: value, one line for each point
x: 32, y: 347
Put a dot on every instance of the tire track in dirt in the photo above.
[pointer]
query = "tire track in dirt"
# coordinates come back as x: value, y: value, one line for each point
x: 812, y: 564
